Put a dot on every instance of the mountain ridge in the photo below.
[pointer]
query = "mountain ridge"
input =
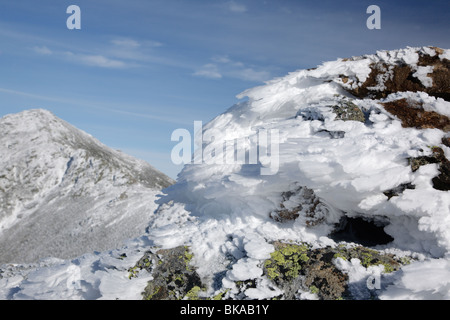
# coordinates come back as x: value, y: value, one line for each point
x: 50, y: 168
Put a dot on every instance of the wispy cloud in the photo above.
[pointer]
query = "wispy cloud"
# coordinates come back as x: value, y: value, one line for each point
x: 126, y: 42
x: 223, y: 66
x: 134, y: 44
x: 42, y: 50
x: 34, y: 96
x: 236, y: 7
x: 209, y: 70
x: 109, y: 107
x: 116, y: 53
x: 95, y: 60
x: 132, y: 50
x: 88, y: 59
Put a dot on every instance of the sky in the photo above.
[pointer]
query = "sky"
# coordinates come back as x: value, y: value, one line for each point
x: 139, y: 69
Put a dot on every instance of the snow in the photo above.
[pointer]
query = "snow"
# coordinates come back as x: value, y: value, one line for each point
x: 426, y: 280
x: 361, y: 279
x: 422, y: 75
x: 445, y: 54
x: 91, y: 276
x: 222, y: 210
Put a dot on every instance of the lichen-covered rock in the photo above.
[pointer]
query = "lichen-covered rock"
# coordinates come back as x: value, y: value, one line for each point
x: 369, y: 257
x: 173, y: 276
x: 295, y: 267
x: 292, y: 269
x: 347, y: 111
x: 300, y: 203
x: 298, y: 268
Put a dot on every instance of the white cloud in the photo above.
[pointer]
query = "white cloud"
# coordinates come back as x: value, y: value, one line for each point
x: 223, y: 66
x: 236, y: 7
x: 132, y: 50
x: 126, y: 42
x: 118, y: 52
x: 209, y: 71
x: 42, y: 50
x: 95, y: 60
x: 221, y: 59
x: 134, y: 44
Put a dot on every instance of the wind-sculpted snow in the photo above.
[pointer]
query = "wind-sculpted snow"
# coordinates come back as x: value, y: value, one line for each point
x: 349, y: 157
x: 351, y: 163
x: 63, y: 193
x: 349, y: 172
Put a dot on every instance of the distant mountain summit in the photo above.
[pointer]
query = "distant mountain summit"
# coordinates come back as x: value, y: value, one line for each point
x: 63, y: 193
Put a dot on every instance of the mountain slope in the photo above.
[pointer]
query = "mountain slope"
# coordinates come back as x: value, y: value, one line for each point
x: 63, y: 193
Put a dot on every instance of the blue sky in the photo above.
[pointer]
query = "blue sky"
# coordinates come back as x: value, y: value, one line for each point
x: 139, y: 69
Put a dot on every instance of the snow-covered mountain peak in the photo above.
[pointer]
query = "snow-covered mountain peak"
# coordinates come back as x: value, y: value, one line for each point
x: 51, y: 170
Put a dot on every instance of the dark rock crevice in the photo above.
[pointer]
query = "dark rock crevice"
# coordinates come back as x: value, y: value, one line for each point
x: 361, y: 231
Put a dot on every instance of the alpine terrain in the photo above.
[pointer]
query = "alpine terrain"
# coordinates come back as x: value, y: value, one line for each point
x: 63, y: 193
x: 346, y: 196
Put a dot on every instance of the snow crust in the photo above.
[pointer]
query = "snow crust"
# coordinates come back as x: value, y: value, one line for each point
x: 222, y: 211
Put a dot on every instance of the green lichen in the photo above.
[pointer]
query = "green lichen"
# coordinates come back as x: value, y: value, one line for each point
x: 272, y: 272
x: 173, y: 275
x: 153, y: 293
x: 220, y: 295
x: 193, y: 294
x: 143, y: 263
x: 339, y: 255
x: 370, y: 257
x: 133, y: 272
x: 388, y: 268
x: 314, y: 289
x: 405, y: 260
x: 286, y: 261
x: 187, y: 258
x: 178, y: 279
